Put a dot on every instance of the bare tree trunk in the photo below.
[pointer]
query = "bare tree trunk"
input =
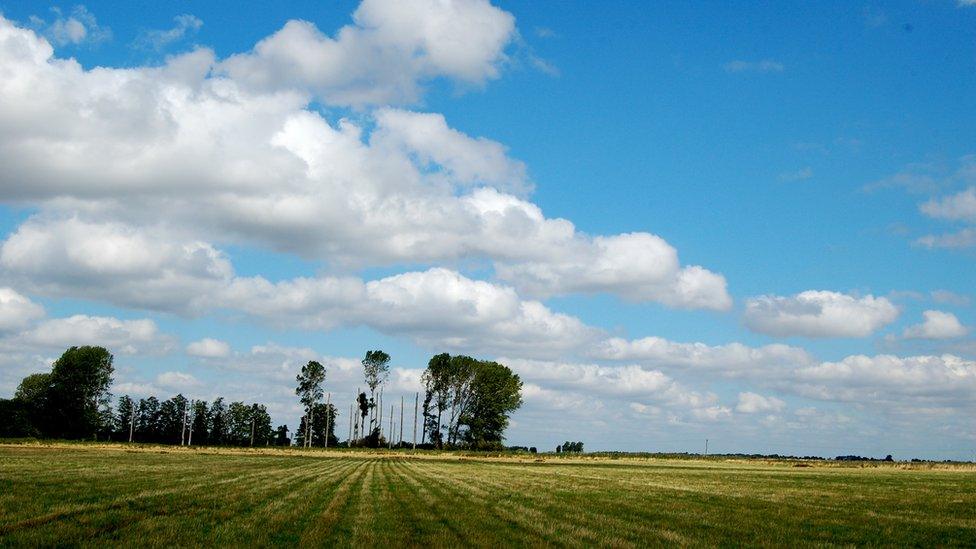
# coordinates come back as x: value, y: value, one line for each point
x: 349, y: 440
x: 132, y: 423
x: 416, y: 402
x: 391, y: 426
x: 328, y: 416
x: 401, y: 421
x: 379, y: 424
x: 311, y: 418
x: 252, y: 428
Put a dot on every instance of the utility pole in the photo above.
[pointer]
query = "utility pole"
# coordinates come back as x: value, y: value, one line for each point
x: 706, y: 447
x: 252, y: 425
x: 416, y: 400
x: 400, y: 438
x: 189, y: 437
x: 308, y: 428
x: 349, y: 440
x: 132, y: 423
x: 391, y: 426
x: 183, y: 430
x: 328, y: 416
x: 379, y: 423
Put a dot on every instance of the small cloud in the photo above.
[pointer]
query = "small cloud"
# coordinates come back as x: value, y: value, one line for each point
x: 965, y: 3
x: 177, y: 381
x: 965, y: 238
x: 77, y: 28
x: 950, y: 298
x: 799, y: 175
x: 208, y: 348
x: 157, y: 39
x: 937, y: 325
x: 543, y: 66
x: 545, y: 32
x: 763, y: 66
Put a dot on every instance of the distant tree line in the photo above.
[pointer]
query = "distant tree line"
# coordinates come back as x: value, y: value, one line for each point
x: 570, y: 447
x: 467, y: 404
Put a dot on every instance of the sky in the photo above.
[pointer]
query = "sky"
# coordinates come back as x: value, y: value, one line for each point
x: 753, y: 224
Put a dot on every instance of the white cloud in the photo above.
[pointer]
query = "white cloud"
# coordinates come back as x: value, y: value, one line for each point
x: 79, y: 27
x: 177, y: 381
x: 909, y: 382
x: 819, y: 314
x: 113, y: 262
x: 762, y: 66
x: 201, y: 159
x: 733, y: 359
x: 937, y: 325
x: 208, y: 348
x: 950, y: 297
x: 387, y: 53
x: 964, y: 238
x: 158, y: 39
x: 17, y: 311
x: 127, y: 337
x: 637, y: 266
x: 752, y: 403
x: 957, y: 207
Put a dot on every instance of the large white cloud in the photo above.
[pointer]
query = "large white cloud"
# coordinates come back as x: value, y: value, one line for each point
x: 957, y: 207
x: 908, y: 382
x: 128, y: 337
x: 384, y: 57
x: 210, y: 158
x: 819, y: 314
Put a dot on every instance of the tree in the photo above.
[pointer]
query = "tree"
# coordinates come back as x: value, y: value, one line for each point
x: 124, y: 418
x: 218, y: 422
x: 148, y: 420
x: 496, y: 392
x: 281, y: 436
x: 201, y: 422
x: 14, y: 419
x: 76, y: 393
x: 171, y: 418
x: 238, y: 424
x: 309, y: 391
x: 376, y: 368
x: 32, y: 395
x: 478, y: 395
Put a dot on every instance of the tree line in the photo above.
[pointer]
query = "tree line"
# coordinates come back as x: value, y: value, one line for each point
x: 466, y: 404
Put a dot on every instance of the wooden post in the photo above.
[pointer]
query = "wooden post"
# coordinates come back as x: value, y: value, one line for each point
x: 400, y: 438
x: 391, y: 426
x: 379, y: 416
x: 189, y: 430
x: 416, y: 401
x: 132, y: 422
x: 349, y: 440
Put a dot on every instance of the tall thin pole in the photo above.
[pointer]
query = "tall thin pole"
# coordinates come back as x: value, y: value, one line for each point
x: 400, y: 438
x: 189, y: 437
x: 391, y: 426
x: 132, y: 423
x: 311, y: 416
x: 706, y: 446
x: 328, y: 416
x: 349, y: 440
x: 416, y: 401
x: 379, y: 423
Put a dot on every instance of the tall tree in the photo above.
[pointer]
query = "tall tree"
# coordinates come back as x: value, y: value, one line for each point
x: 148, y: 420
x: 309, y: 391
x: 125, y: 418
x: 376, y: 369
x: 201, y: 422
x: 32, y: 394
x: 78, y: 393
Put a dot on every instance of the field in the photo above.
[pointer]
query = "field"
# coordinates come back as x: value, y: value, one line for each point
x: 96, y: 494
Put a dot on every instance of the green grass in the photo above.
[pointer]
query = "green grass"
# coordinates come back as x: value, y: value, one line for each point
x: 98, y: 494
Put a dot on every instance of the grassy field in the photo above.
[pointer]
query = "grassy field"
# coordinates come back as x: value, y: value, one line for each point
x: 88, y: 495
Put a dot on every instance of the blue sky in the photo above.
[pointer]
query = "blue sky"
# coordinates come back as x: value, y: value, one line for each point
x: 330, y: 191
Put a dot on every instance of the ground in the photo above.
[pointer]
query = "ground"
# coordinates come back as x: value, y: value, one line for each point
x: 58, y: 494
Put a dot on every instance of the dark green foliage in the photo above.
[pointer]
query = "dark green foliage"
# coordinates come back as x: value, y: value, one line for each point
x: 467, y: 402
x: 322, y: 415
x: 77, y: 392
x: 573, y: 447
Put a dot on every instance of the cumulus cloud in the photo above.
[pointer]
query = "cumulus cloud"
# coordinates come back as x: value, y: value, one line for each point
x: 113, y: 262
x: 385, y: 55
x: 937, y: 325
x: 211, y: 159
x: 208, y: 348
x: 129, y: 337
x: 908, y: 382
x: 177, y: 381
x: 752, y: 403
x: 80, y: 26
x: 16, y: 310
x: 819, y: 314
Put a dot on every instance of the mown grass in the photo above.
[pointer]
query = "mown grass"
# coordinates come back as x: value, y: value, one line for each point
x: 98, y: 494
